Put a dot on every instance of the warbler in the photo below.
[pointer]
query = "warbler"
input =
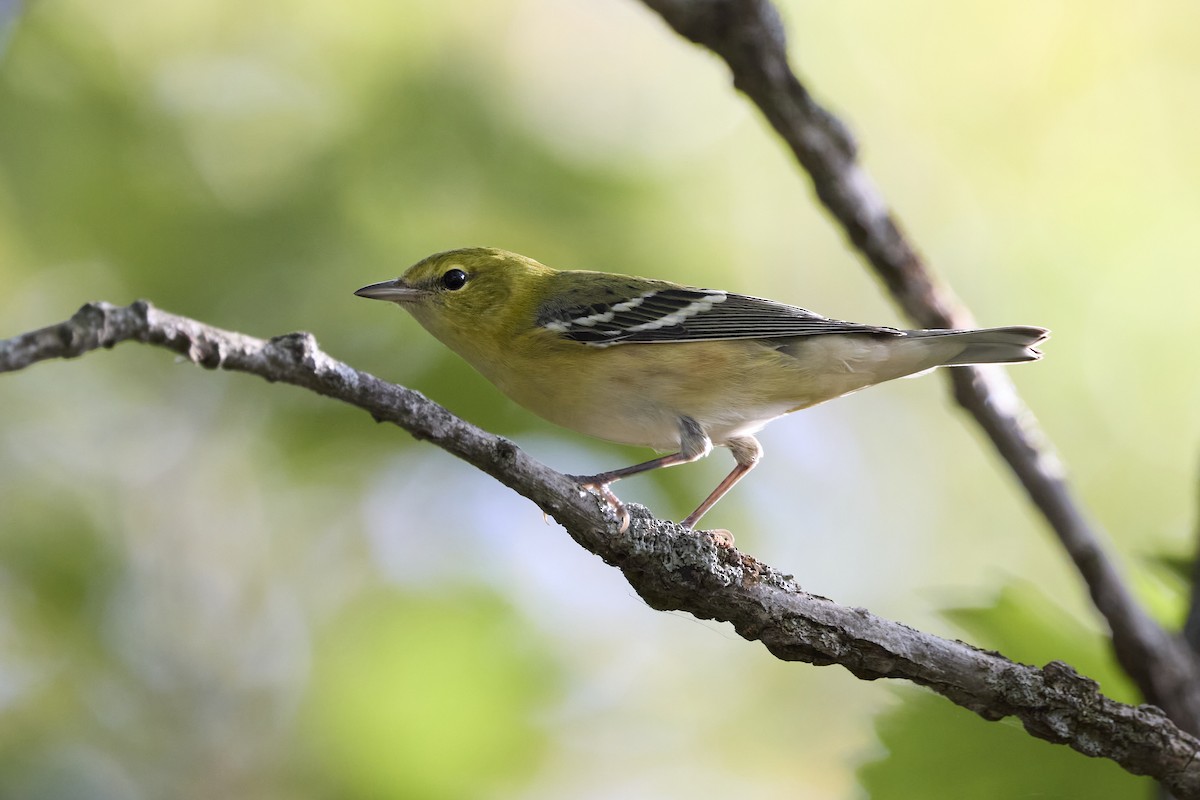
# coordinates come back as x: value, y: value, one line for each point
x: 649, y: 362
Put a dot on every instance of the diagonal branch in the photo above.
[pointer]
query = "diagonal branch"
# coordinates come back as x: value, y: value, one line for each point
x: 672, y: 568
x: 748, y: 35
x: 1191, y: 624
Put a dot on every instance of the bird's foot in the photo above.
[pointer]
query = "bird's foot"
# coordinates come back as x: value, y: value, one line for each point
x: 601, y: 488
x: 723, y: 537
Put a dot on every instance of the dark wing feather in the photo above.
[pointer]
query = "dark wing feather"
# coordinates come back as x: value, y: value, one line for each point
x: 665, y: 313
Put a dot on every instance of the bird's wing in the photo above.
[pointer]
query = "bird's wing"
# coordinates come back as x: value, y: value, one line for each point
x: 682, y: 314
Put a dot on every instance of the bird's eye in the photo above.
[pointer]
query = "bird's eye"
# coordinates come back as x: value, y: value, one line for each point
x: 454, y: 279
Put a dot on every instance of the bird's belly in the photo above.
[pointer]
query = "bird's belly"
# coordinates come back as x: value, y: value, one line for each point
x: 658, y: 426
x: 636, y: 394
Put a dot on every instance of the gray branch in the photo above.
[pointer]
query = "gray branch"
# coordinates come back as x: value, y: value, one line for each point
x: 1191, y: 625
x: 672, y: 568
x: 748, y: 35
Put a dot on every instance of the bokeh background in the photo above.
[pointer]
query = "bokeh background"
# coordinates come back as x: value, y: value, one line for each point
x: 215, y: 587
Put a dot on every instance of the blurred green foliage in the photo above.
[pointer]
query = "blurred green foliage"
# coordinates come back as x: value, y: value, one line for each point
x: 215, y: 587
x: 424, y: 698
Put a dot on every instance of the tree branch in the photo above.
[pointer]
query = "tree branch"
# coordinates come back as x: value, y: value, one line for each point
x: 1191, y: 624
x: 672, y: 568
x: 748, y: 35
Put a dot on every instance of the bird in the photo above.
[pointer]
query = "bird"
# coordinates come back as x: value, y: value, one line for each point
x: 653, y: 363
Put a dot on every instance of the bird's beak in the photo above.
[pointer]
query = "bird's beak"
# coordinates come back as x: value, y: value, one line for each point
x: 396, y: 291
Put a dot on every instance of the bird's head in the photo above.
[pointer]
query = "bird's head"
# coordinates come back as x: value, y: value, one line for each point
x: 474, y: 293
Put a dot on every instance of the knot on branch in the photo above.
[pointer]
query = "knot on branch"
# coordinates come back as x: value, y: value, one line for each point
x: 300, y: 347
x: 200, y: 350
x: 88, y: 328
x: 506, y: 451
x: 1062, y: 677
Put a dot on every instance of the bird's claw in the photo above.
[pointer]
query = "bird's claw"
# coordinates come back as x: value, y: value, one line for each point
x: 606, y: 493
x: 722, y: 537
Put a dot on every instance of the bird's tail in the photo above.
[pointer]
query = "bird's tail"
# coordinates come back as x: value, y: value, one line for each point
x: 1008, y: 345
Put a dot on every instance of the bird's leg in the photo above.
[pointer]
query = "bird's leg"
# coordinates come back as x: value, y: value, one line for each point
x: 746, y: 452
x: 693, y: 444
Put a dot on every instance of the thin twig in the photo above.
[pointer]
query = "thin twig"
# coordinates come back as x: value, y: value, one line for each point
x: 672, y: 568
x: 749, y: 36
x: 1191, y: 625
